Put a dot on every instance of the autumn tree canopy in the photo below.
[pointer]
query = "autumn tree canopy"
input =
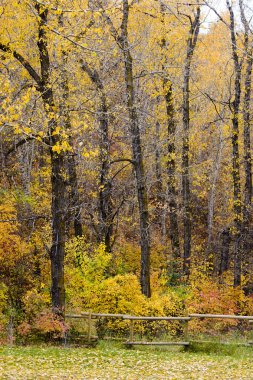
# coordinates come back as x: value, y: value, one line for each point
x: 125, y: 144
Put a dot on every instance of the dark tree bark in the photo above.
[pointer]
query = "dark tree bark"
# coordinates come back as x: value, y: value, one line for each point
x: 213, y: 189
x: 75, y: 203
x: 171, y: 162
x: 105, y: 185
x: 57, y: 251
x: 235, y: 106
x: 160, y: 196
x: 158, y: 168
x: 171, y: 169
x: 58, y: 204
x: 74, y: 197
x: 106, y: 215
x: 137, y: 154
x: 247, y: 139
x: 123, y: 43
x: 247, y: 134
x: 224, y: 251
x: 186, y: 191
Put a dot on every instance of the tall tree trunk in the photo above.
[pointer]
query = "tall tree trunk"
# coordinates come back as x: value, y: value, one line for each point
x: 171, y: 162
x: 105, y: 185
x: 106, y: 216
x: 235, y: 151
x: 247, y: 240
x: 123, y: 43
x: 57, y: 251
x: 137, y: 155
x: 58, y: 183
x: 74, y: 203
x: 224, y: 251
x: 186, y: 193
x: 161, y: 208
x: 212, y: 196
x: 171, y: 169
x: 247, y: 142
x: 139, y: 173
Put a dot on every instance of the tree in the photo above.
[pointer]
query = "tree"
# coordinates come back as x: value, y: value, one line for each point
x: 235, y: 108
x: 186, y: 192
x: 122, y: 40
x: 171, y: 162
x: 248, y: 51
x: 58, y: 183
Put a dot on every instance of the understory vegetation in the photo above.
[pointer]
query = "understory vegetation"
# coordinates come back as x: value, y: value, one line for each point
x: 90, y: 286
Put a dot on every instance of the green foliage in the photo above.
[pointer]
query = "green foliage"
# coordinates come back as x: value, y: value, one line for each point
x: 213, y: 347
x: 86, y: 267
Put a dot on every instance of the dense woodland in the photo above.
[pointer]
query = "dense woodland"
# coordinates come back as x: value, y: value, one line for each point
x: 126, y: 180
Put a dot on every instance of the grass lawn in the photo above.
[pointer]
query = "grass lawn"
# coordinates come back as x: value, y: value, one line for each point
x: 111, y: 361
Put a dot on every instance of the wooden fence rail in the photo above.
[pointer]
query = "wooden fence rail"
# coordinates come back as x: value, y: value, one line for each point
x: 222, y: 316
x: 137, y: 318
x: 132, y: 319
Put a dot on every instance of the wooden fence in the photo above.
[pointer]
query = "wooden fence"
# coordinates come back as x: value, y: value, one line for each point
x: 132, y: 319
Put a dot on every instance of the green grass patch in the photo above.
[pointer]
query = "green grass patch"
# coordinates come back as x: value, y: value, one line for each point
x: 110, y: 360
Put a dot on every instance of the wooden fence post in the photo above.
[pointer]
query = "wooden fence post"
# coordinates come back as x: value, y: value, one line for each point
x: 10, y: 331
x: 89, y: 326
x: 186, y: 331
x: 131, y: 338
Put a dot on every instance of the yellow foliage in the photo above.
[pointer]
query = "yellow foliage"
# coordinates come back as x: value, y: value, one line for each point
x: 35, y: 302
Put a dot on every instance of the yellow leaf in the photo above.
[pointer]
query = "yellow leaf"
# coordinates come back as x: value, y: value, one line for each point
x: 56, y: 148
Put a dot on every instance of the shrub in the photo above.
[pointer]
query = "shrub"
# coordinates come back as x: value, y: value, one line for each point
x: 86, y: 267
x: 3, y: 313
x: 122, y: 295
x: 207, y: 296
x: 46, y: 326
x: 35, y: 302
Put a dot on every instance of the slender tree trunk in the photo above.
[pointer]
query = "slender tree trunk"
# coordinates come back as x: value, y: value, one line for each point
x: 212, y: 195
x: 171, y: 169
x: 235, y: 152
x: 123, y: 43
x: 247, y: 240
x: 74, y: 202
x: 225, y: 244
x: 159, y: 191
x: 74, y: 193
x: 158, y: 168
x: 161, y: 209
x: 58, y: 183
x: 140, y: 177
x: 57, y: 251
x: 137, y: 155
x: 186, y: 193
x: 105, y: 185
x: 171, y: 162
x: 106, y: 217
x: 247, y: 140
